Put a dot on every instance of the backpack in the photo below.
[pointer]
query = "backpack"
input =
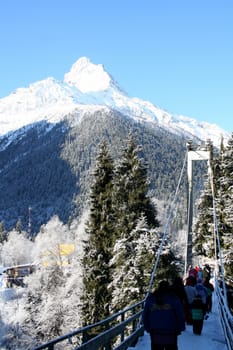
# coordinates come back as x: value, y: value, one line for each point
x: 197, y: 308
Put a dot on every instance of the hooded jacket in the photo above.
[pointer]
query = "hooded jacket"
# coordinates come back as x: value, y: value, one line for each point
x: 201, y: 290
x: 163, y: 316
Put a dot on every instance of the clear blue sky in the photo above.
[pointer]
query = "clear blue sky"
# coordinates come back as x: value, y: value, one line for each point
x: 178, y: 54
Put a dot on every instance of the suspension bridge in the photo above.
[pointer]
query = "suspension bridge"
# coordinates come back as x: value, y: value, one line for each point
x: 124, y: 330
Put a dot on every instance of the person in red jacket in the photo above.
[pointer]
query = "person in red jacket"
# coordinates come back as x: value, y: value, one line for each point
x: 163, y: 318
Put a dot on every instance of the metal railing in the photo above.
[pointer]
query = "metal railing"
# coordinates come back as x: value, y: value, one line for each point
x: 225, y: 316
x: 117, y: 332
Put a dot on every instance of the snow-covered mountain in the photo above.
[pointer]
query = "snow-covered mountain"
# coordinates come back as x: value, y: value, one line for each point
x: 89, y: 87
x: 50, y: 133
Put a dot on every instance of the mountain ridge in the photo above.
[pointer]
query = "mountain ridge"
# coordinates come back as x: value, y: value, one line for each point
x: 88, y: 86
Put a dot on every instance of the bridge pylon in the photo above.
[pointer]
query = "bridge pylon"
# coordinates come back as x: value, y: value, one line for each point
x: 195, y: 153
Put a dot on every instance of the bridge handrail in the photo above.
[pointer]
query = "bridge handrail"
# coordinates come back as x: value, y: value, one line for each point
x: 225, y: 316
x: 104, y: 339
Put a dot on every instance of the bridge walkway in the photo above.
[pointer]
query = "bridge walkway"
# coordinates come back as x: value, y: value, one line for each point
x: 212, y: 337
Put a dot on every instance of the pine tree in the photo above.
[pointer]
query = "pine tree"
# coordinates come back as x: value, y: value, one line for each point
x: 225, y: 198
x: 3, y: 232
x: 19, y: 226
x: 44, y: 308
x: 132, y: 264
x: 169, y: 265
x: 136, y: 221
x: 98, y: 248
x: 203, y: 233
x: 204, y: 243
x: 51, y: 305
x: 131, y: 187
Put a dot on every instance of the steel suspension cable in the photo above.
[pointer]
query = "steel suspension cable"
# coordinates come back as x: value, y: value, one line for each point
x: 153, y: 274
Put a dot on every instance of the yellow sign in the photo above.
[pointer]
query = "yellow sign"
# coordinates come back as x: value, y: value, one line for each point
x: 66, y: 249
x: 59, y: 256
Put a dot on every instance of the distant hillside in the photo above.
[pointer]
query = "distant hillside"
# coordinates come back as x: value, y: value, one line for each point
x: 49, y: 168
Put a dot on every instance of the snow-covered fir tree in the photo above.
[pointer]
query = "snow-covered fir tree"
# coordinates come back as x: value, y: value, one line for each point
x: 17, y: 250
x: 135, y: 228
x: 3, y: 232
x: 53, y: 297
x: 131, y: 187
x: 19, y: 226
x: 226, y: 193
x: 98, y: 249
x: 45, y: 313
x: 132, y: 262
x: 205, y: 240
x: 169, y: 264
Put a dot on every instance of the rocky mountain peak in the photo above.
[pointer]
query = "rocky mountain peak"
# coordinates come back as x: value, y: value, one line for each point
x: 88, y: 77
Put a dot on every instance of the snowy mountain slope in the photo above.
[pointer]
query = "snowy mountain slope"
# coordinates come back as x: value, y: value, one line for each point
x: 88, y: 87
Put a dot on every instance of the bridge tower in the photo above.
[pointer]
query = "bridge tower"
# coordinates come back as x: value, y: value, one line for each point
x: 195, y: 153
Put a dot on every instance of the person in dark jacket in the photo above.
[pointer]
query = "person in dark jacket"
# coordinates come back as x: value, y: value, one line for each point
x: 179, y: 290
x: 163, y: 318
x: 210, y: 289
x: 198, y: 313
x: 206, y: 271
x: 201, y: 290
x: 191, y: 293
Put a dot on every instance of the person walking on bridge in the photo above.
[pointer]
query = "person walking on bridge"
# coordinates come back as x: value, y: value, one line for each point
x: 163, y: 318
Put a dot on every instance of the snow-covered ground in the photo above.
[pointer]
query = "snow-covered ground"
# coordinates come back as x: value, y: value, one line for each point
x: 212, y: 337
